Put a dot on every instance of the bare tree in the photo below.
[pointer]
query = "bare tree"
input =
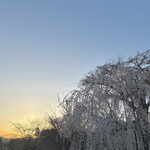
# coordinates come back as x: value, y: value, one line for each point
x: 111, y: 107
x: 28, y: 134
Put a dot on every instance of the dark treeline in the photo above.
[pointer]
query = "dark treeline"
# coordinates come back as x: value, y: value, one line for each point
x: 48, y: 139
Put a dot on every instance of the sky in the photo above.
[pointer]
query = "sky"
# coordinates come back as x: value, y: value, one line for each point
x: 48, y: 46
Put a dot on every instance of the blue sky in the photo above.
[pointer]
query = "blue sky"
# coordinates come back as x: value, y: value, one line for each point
x: 46, y: 47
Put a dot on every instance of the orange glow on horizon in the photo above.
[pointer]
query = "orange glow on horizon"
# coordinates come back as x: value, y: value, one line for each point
x: 8, y: 131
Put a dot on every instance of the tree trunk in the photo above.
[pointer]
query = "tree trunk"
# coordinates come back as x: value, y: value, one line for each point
x: 142, y: 127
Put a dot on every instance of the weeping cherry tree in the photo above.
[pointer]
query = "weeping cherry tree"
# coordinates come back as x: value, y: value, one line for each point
x: 110, y: 108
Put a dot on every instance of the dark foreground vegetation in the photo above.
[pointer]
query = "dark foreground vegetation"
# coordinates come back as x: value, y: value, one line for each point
x: 38, y: 135
x: 48, y: 140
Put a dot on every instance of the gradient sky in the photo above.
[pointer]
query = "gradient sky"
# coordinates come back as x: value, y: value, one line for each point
x: 47, y: 46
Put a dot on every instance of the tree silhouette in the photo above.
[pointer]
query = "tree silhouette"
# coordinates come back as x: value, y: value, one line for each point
x: 28, y: 134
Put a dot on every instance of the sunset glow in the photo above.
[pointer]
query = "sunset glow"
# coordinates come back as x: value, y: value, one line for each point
x: 46, y: 47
